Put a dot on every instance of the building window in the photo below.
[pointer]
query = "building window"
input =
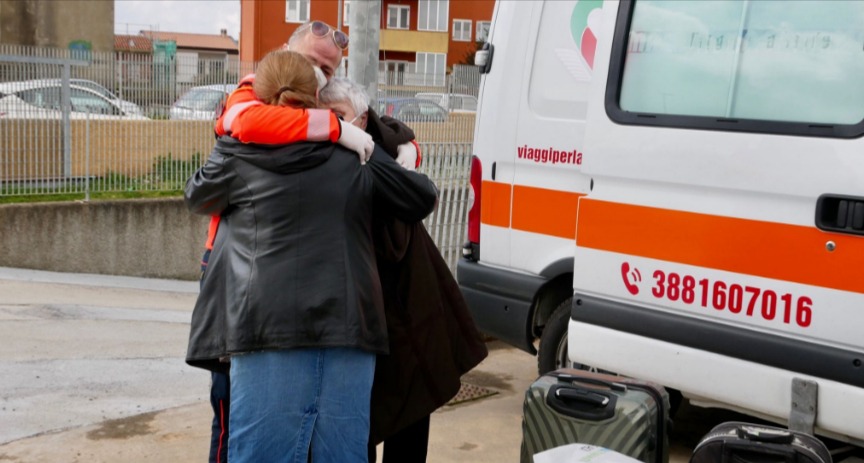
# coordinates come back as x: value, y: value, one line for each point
x: 431, y: 68
x: 483, y: 30
x: 296, y: 11
x: 342, y: 70
x: 462, y: 30
x: 393, y: 72
x: 346, y: 10
x: 397, y: 16
x: 432, y: 15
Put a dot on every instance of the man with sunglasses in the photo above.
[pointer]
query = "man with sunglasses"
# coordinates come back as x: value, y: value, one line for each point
x: 248, y: 120
x: 323, y: 45
x: 307, y: 40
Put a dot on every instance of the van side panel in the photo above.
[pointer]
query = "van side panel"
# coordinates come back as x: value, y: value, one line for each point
x: 493, y: 142
x: 698, y: 243
x: 529, y: 137
x: 500, y: 298
x: 550, y: 135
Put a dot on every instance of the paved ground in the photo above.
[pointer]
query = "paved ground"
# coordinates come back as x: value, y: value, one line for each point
x: 91, y: 370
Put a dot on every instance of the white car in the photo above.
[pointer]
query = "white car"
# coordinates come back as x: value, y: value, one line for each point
x: 127, y: 106
x: 41, y: 99
x: 200, y: 103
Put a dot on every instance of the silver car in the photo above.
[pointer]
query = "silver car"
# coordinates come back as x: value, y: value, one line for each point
x: 201, y: 103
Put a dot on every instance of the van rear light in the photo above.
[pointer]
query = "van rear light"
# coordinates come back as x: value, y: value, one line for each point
x: 471, y: 250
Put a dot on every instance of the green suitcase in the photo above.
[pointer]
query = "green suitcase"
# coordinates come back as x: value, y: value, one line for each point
x: 573, y: 406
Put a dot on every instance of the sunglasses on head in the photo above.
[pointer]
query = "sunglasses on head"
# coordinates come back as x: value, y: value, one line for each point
x: 320, y: 29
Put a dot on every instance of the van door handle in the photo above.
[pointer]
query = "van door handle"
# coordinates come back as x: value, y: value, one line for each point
x: 840, y: 213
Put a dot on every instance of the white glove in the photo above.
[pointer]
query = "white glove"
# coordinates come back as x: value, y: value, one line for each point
x: 406, y: 155
x: 355, y: 139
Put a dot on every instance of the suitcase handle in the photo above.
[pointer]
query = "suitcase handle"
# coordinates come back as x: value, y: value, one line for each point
x: 582, y: 395
x: 582, y: 404
x: 595, y: 381
x: 759, y: 434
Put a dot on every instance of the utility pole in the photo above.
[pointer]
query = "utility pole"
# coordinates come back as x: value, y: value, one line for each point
x: 365, y: 21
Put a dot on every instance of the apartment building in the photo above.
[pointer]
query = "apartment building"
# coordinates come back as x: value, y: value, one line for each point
x: 201, y: 58
x: 422, y: 37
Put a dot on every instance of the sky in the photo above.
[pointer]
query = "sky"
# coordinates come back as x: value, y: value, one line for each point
x: 197, y: 16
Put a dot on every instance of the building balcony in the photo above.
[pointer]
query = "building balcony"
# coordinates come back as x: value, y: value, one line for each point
x: 413, y: 41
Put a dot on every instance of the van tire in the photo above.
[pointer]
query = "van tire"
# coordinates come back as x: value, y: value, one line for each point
x: 552, y: 354
x: 554, y: 339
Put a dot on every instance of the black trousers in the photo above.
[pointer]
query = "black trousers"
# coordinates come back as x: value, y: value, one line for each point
x: 406, y: 446
x: 220, y: 400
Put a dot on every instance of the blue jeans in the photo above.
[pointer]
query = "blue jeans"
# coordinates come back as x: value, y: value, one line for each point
x: 288, y: 403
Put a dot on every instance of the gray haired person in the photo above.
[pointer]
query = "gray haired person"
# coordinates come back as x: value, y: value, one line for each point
x: 351, y: 103
x: 426, y: 360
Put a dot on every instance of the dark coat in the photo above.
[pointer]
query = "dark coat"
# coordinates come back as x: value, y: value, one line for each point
x: 293, y: 264
x: 433, y: 339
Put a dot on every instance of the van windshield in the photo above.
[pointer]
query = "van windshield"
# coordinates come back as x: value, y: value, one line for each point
x: 761, y: 60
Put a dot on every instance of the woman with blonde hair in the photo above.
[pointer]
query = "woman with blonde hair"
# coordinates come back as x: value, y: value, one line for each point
x: 292, y: 292
x: 285, y: 78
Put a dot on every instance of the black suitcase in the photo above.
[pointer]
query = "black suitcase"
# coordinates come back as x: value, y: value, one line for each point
x: 573, y: 406
x: 735, y: 442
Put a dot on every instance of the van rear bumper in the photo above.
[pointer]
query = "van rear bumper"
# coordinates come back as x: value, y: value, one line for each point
x: 500, y: 301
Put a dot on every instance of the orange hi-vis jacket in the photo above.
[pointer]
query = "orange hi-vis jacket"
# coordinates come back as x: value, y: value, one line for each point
x: 273, y: 125
x: 270, y: 125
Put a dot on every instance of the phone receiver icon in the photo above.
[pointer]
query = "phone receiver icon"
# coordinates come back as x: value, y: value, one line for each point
x: 630, y: 277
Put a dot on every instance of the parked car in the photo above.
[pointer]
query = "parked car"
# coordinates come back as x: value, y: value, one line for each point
x: 200, y: 103
x: 453, y: 102
x: 412, y: 110
x: 41, y: 99
x: 127, y: 106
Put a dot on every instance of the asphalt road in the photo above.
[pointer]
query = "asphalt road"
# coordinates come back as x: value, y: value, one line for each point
x: 91, y: 370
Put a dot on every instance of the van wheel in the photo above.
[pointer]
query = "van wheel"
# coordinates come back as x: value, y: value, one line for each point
x: 553, y: 342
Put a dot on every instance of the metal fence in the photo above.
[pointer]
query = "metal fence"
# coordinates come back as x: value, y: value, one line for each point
x: 75, y: 122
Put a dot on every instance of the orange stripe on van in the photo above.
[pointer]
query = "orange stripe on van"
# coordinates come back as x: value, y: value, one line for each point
x: 779, y: 251
x: 495, y: 203
x: 550, y: 212
x: 536, y: 210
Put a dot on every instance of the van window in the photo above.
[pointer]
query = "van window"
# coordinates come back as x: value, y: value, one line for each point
x: 756, y: 60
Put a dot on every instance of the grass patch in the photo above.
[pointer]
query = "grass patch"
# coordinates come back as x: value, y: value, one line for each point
x: 94, y: 196
x: 167, y: 178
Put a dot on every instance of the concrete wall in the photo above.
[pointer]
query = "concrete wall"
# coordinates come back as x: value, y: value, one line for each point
x: 156, y: 238
x: 55, y: 24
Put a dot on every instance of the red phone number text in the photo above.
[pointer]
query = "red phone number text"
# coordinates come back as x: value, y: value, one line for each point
x: 749, y: 300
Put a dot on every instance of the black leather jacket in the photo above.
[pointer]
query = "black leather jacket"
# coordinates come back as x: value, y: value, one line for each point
x: 293, y: 264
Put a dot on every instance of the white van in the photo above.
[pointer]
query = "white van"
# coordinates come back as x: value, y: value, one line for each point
x: 679, y: 185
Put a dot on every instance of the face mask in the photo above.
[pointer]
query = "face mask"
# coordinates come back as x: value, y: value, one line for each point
x: 322, y: 79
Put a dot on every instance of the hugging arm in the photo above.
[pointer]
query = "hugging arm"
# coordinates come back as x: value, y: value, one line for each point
x: 251, y: 121
x: 207, y: 190
x: 408, y: 196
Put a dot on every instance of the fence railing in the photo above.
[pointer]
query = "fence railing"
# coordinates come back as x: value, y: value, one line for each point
x: 109, y: 122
